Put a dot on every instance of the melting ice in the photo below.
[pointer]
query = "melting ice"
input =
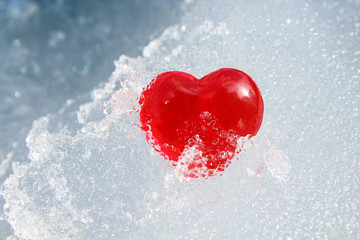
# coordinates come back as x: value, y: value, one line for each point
x: 92, y: 175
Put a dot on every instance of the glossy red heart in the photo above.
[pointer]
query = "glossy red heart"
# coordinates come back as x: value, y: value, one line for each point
x: 200, y: 120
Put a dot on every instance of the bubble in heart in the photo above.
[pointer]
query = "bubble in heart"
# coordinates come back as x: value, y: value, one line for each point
x: 196, y: 123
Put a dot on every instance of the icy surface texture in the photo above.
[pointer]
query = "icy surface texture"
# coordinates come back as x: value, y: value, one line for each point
x: 92, y: 175
x: 52, y: 51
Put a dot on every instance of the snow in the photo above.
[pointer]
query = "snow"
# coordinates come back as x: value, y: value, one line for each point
x: 90, y: 174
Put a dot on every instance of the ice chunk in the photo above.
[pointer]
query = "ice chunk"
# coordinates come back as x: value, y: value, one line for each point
x: 53, y: 51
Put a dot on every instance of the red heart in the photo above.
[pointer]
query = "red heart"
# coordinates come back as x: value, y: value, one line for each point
x: 181, y: 113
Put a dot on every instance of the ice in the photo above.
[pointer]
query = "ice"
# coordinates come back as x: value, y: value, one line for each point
x: 59, y: 50
x: 53, y: 52
x: 91, y: 174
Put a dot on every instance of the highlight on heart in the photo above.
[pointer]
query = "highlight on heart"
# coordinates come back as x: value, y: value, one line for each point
x: 196, y: 123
